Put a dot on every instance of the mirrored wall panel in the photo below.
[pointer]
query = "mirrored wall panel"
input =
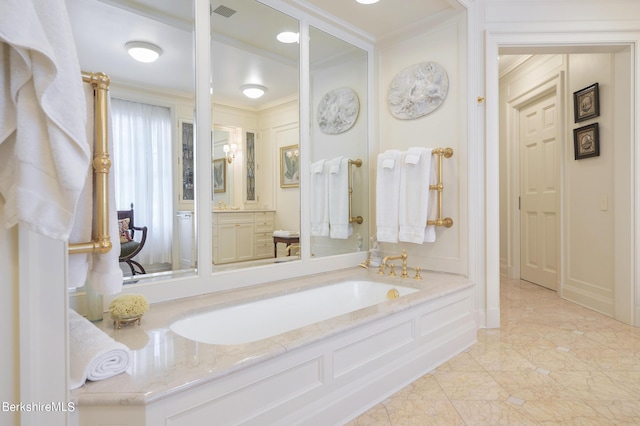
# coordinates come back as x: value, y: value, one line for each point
x: 339, y: 139
x: 255, y: 211
x: 146, y: 48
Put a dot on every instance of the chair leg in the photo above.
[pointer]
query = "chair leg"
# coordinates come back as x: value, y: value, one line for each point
x: 128, y: 262
x: 142, y: 271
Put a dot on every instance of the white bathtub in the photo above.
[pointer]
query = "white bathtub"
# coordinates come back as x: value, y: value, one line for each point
x: 261, y: 319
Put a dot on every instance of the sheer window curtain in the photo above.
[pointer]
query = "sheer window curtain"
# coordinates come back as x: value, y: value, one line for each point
x: 142, y: 167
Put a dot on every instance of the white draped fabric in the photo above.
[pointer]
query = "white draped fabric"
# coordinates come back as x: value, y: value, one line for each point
x: 142, y: 166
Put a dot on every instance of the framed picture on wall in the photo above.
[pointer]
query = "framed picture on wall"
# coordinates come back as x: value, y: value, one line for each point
x: 586, y: 141
x: 289, y: 167
x: 219, y: 175
x: 586, y: 103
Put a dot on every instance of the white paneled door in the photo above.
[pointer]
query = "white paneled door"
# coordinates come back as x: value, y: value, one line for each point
x: 539, y: 192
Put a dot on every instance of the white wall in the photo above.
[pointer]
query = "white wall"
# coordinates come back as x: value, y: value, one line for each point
x: 279, y: 127
x: 444, y: 43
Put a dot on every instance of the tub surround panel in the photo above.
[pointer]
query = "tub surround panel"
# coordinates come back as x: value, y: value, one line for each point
x: 350, y: 357
x: 325, y: 372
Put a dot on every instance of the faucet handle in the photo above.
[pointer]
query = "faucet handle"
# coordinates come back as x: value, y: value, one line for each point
x: 417, y: 277
x: 381, y: 269
x: 392, y: 270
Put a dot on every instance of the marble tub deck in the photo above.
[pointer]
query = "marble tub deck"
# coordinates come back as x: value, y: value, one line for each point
x: 552, y: 362
x: 164, y: 363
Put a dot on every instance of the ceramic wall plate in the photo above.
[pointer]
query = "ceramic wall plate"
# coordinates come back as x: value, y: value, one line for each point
x: 418, y: 90
x: 338, y: 110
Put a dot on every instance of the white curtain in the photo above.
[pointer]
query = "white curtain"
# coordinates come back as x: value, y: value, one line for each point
x: 142, y: 166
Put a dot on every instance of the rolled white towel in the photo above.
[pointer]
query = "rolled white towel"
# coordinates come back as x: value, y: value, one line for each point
x: 94, y: 355
x: 285, y: 234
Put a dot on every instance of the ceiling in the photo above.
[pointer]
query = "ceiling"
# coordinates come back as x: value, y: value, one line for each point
x: 244, y: 49
x: 383, y: 19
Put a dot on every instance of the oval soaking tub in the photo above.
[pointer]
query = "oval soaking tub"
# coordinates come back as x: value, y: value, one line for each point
x: 260, y: 319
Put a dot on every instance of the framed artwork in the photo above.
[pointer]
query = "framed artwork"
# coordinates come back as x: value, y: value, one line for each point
x: 586, y: 141
x: 219, y: 175
x: 586, y: 103
x: 289, y: 166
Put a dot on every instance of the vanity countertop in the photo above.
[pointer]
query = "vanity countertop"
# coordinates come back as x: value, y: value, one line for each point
x: 164, y: 363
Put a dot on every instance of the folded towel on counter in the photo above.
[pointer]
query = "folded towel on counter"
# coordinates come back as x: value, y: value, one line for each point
x: 94, y: 355
x: 387, y: 195
x: 44, y: 153
x: 414, y: 199
x: 319, y: 208
x: 339, y: 226
x: 285, y: 234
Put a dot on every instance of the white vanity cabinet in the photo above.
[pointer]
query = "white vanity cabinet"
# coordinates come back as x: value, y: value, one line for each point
x: 264, y: 234
x: 241, y: 236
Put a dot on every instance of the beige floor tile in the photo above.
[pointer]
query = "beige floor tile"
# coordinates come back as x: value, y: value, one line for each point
x: 551, y: 362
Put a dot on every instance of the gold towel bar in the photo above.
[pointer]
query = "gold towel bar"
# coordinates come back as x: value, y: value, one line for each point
x: 101, y: 242
x: 440, y: 221
x: 357, y: 219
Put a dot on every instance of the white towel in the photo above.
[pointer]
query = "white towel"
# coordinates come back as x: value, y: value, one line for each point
x: 105, y: 275
x: 319, y: 213
x: 415, y: 175
x: 339, y: 226
x: 430, y: 230
x: 387, y: 195
x: 44, y: 153
x: 83, y: 219
x: 94, y: 355
x: 285, y: 234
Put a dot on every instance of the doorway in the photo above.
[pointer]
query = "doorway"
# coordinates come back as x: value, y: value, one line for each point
x: 572, y: 264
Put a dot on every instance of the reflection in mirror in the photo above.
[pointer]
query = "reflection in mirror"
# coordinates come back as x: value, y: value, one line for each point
x: 255, y: 220
x: 338, y: 91
x: 152, y: 115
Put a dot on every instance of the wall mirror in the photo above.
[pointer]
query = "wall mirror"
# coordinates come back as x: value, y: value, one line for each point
x: 339, y: 133
x: 255, y: 114
x: 152, y: 114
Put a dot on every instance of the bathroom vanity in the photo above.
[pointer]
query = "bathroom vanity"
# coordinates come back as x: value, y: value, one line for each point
x: 242, y: 235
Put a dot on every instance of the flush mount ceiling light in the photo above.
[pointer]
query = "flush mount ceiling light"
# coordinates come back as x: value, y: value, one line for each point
x: 367, y: 1
x: 288, y: 37
x: 142, y: 51
x: 253, y: 91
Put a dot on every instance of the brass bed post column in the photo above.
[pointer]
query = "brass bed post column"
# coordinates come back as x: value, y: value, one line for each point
x: 101, y: 242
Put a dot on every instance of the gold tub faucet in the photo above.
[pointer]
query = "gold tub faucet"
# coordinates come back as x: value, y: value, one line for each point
x: 402, y: 256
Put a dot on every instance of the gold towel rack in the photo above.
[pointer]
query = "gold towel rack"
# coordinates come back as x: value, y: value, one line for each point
x: 352, y: 219
x: 440, y: 221
x: 101, y: 242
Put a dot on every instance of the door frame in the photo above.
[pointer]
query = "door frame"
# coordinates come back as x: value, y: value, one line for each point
x: 550, y: 84
x: 553, y: 42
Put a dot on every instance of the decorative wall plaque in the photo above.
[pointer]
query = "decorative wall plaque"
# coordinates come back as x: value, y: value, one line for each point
x: 418, y: 90
x: 338, y: 110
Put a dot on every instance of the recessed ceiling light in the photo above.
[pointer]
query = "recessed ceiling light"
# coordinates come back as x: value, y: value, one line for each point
x: 288, y: 37
x: 253, y: 91
x: 142, y: 51
x: 367, y: 1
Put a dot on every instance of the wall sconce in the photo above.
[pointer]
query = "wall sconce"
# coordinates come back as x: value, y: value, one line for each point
x: 142, y: 51
x: 230, y: 151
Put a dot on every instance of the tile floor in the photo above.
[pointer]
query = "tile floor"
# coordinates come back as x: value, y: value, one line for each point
x: 552, y: 362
